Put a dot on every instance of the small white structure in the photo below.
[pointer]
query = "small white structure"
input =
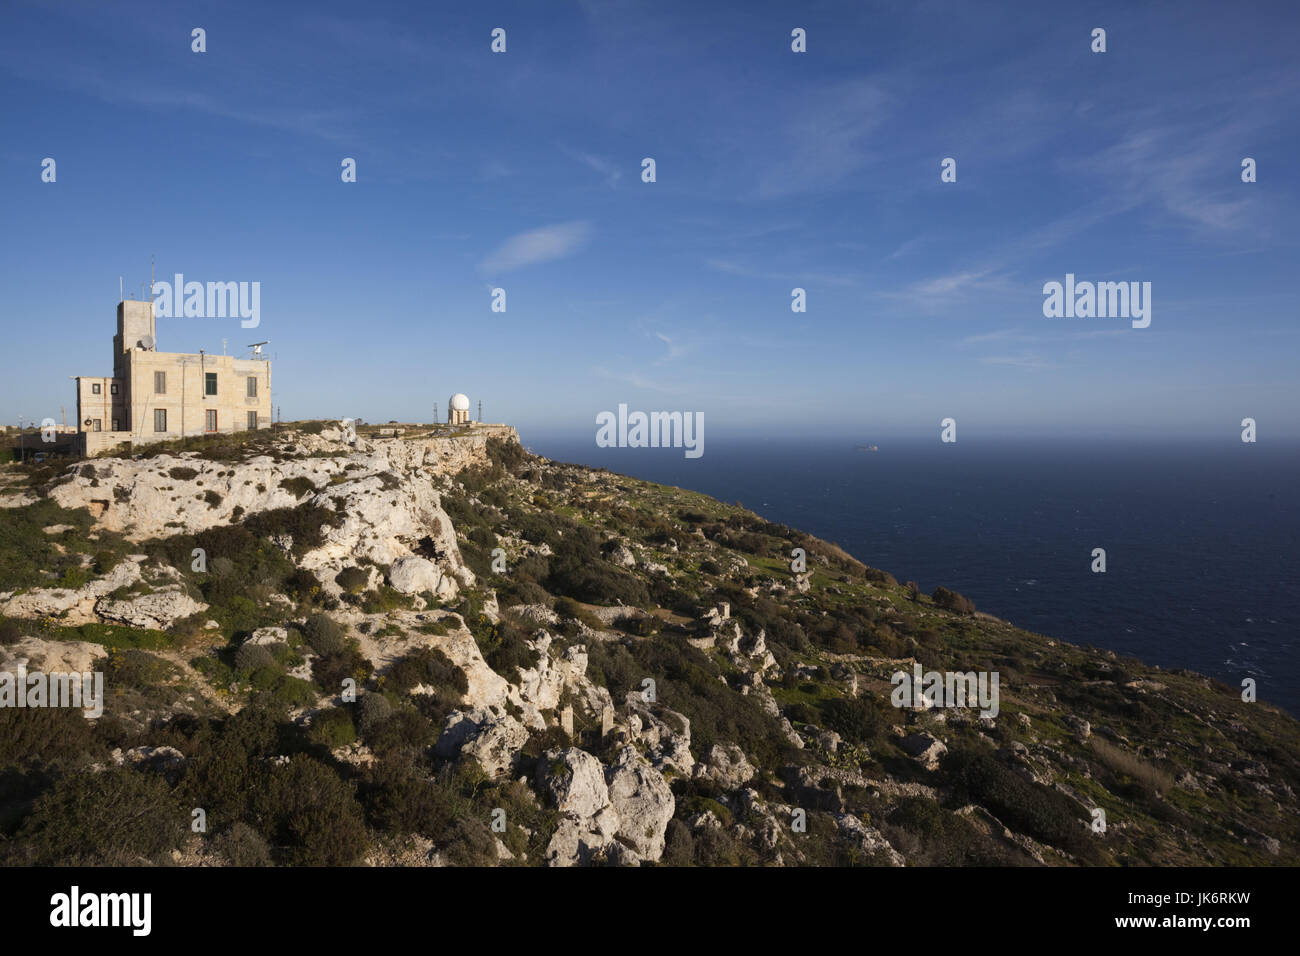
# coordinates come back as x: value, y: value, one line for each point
x: 458, y: 410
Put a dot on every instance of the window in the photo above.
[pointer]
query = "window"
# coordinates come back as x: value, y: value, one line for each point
x: 97, y: 424
x: 113, y: 388
x: 115, y: 426
x: 252, y: 419
x: 252, y: 386
x: 160, y: 383
x: 95, y: 389
x: 210, y: 383
x: 210, y: 419
x: 160, y: 419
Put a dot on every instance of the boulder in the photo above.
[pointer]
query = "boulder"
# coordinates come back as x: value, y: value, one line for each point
x: 414, y: 574
x: 493, y: 739
x: 726, y: 766
x: 925, y: 749
x: 643, y: 801
x: 575, y: 780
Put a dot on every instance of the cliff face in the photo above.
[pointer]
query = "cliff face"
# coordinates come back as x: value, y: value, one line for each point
x: 467, y: 654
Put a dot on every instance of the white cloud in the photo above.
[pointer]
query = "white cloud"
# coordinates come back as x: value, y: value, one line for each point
x: 611, y: 172
x: 538, y: 245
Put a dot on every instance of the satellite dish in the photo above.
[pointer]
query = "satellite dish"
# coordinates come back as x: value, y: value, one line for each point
x: 146, y: 342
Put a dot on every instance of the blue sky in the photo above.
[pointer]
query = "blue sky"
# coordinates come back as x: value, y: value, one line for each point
x: 774, y: 170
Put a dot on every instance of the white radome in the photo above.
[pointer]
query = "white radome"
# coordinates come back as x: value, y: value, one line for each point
x: 459, y: 403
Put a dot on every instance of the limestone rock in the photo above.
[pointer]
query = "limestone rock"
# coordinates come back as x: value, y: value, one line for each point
x: 869, y: 839
x: 414, y: 574
x: 536, y: 614
x: 575, y: 780
x: 643, y: 801
x: 61, y: 657
x: 665, y: 734
x: 158, y: 610
x: 925, y: 749
x: 493, y: 739
x: 726, y: 766
x: 78, y: 603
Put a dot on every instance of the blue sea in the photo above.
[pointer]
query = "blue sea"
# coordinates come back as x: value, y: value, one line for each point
x: 1202, y: 539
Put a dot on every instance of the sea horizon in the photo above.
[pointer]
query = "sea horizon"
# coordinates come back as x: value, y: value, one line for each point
x: 1011, y: 523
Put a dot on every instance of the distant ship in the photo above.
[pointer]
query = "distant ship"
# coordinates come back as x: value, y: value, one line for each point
x: 868, y: 448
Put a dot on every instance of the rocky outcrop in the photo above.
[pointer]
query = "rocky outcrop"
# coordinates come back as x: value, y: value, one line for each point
x: 621, y: 812
x: 869, y: 841
x: 574, y: 781
x: 644, y: 803
x: 414, y: 574
x: 158, y: 610
x: 491, y: 737
x: 62, y: 657
x: 76, y: 605
x: 926, y: 750
x: 486, y: 688
x: 386, y: 493
x: 726, y: 766
x: 665, y: 735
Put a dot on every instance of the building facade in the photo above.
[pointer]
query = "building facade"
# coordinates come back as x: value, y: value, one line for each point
x: 458, y: 410
x: 157, y: 396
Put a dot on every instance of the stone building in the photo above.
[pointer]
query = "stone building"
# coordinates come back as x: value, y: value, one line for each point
x: 458, y: 410
x: 155, y: 396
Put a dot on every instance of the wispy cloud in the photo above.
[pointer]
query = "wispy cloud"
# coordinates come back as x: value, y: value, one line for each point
x: 731, y: 267
x: 945, y: 292
x: 675, y: 349
x: 826, y: 137
x: 536, y: 246
x: 608, y: 169
x: 1020, y: 360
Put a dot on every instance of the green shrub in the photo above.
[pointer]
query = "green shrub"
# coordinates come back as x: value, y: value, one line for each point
x: 241, y: 845
x: 118, y: 817
x: 300, y: 487
x: 324, y: 634
x: 399, y: 798
x: 861, y: 719
x: 11, y: 632
x: 1043, y: 813
x: 352, y: 579
x: 43, y: 736
x: 332, y: 728
x: 431, y: 667
x: 372, y: 710
x: 183, y: 473
x: 304, y: 523
x: 309, y: 814
x: 250, y: 657
x: 291, y: 691
x: 330, y: 670
x: 406, y: 733
x: 952, y: 601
